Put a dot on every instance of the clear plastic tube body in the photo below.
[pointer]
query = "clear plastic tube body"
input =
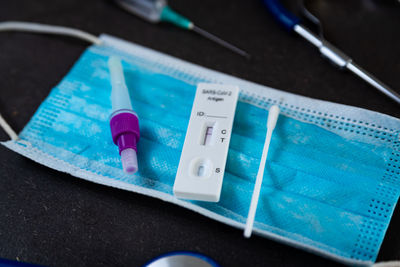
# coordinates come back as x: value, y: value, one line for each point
x: 120, y: 98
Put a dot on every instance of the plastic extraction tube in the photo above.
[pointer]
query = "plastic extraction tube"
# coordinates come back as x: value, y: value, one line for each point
x: 124, y: 122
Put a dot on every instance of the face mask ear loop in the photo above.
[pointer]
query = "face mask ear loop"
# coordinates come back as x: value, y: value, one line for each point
x: 48, y: 29
x: 7, y: 128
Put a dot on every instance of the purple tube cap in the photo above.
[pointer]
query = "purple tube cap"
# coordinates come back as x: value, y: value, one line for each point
x: 125, y: 134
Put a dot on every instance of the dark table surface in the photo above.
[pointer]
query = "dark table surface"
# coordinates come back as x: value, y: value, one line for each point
x: 52, y: 218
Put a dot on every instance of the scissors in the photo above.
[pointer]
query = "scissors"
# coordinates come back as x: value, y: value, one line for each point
x: 333, y: 54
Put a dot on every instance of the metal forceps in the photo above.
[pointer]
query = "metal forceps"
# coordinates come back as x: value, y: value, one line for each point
x: 337, y: 57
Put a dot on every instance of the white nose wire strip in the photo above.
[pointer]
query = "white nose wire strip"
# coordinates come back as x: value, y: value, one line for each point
x: 46, y: 29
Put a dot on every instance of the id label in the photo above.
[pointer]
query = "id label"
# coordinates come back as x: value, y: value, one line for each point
x: 202, y: 163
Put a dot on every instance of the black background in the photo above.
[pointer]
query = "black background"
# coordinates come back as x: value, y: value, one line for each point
x: 52, y: 218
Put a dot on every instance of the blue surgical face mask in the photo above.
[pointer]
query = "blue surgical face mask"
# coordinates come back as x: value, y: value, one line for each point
x: 332, y: 176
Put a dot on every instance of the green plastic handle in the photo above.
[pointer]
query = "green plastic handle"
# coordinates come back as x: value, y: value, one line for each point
x: 167, y: 14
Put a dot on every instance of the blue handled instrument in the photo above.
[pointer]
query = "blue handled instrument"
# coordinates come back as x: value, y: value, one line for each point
x: 293, y: 24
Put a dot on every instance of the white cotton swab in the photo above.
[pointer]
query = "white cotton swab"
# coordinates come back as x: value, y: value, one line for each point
x: 271, y: 123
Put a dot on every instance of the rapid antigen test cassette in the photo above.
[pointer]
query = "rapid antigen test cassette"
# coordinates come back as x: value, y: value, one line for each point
x: 202, y: 164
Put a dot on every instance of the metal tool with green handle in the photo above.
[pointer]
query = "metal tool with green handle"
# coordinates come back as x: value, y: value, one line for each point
x: 155, y: 11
